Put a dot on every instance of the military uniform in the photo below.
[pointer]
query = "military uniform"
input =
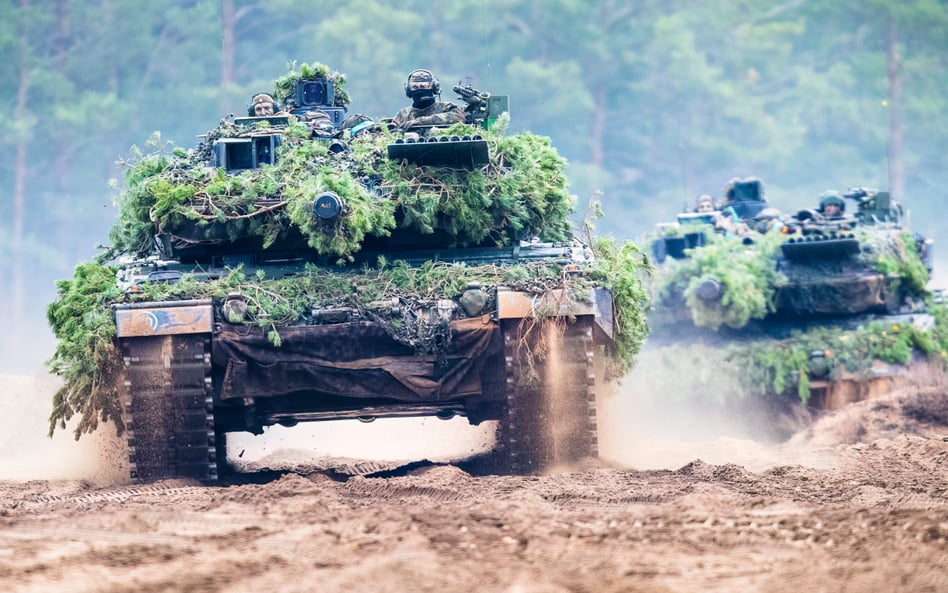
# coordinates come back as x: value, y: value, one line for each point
x: 425, y: 111
x: 436, y: 114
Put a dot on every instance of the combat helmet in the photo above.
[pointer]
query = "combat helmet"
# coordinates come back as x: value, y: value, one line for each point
x: 421, y: 75
x: 359, y: 123
x: 832, y: 197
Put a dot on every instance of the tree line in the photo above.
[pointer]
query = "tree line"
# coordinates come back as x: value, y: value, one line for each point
x: 651, y: 102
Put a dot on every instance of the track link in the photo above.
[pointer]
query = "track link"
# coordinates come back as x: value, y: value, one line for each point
x: 168, y: 405
x: 551, y: 396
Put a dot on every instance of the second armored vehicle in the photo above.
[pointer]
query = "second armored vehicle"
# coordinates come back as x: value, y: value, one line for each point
x: 820, y: 302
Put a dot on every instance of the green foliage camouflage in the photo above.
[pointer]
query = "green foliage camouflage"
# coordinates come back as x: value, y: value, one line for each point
x: 87, y: 359
x: 522, y: 191
x: 750, y: 280
x: 897, y: 257
x: 725, y: 369
x: 749, y: 277
x: 747, y: 273
x: 785, y: 364
x: 619, y: 267
x: 286, y: 84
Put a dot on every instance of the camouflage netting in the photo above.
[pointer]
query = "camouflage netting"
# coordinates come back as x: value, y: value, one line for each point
x: 88, y: 361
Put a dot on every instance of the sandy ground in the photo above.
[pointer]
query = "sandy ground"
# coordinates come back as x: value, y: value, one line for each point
x: 854, y: 501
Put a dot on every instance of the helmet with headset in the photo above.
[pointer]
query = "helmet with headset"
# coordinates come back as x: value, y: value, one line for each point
x: 261, y: 98
x: 422, y: 82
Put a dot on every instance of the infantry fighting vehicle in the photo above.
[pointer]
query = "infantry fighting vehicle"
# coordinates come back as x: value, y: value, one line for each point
x: 818, y: 302
x: 311, y: 266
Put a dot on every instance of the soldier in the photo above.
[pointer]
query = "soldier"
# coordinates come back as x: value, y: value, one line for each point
x: 357, y: 124
x: 704, y: 204
x: 319, y: 123
x: 425, y: 110
x: 262, y: 105
x: 832, y: 204
x: 768, y: 219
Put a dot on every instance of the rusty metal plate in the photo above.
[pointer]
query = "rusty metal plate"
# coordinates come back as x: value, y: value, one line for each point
x: 513, y: 304
x: 190, y: 317
x: 555, y: 303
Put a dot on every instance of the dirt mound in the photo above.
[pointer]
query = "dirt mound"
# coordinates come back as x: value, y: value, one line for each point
x: 921, y: 411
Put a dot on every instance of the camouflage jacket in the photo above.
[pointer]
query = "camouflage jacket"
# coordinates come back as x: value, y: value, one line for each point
x: 437, y: 114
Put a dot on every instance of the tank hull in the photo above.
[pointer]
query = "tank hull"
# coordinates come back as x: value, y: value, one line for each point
x: 191, y: 378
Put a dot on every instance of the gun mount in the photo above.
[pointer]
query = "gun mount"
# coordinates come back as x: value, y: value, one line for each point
x: 875, y: 207
x: 482, y: 109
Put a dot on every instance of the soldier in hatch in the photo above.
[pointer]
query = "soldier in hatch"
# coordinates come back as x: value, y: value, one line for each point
x: 832, y: 204
x: 704, y: 204
x: 319, y: 122
x: 262, y: 105
x: 425, y: 110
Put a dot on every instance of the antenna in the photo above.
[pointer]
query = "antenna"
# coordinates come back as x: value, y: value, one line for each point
x: 490, y: 86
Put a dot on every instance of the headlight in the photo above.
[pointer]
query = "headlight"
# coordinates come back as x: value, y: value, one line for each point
x: 327, y: 206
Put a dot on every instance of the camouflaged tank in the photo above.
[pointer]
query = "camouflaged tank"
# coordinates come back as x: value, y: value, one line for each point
x: 827, y: 306
x: 314, y: 265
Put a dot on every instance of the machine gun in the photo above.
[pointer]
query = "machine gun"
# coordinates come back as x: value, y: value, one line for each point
x: 875, y: 206
x: 482, y: 109
x: 467, y: 152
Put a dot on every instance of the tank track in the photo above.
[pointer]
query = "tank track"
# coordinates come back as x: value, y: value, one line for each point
x: 551, y: 399
x: 168, y: 407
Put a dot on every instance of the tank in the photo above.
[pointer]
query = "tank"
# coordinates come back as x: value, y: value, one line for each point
x: 313, y: 265
x: 827, y: 308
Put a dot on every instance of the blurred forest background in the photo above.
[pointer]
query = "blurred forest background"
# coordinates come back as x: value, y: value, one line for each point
x: 652, y: 102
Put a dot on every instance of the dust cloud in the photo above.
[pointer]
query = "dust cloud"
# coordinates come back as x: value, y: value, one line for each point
x: 659, y: 417
x: 385, y: 439
x: 26, y: 453
x: 101, y: 458
x: 669, y: 412
x: 683, y: 404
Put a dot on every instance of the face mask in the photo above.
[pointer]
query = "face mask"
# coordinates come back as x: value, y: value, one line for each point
x: 422, y: 101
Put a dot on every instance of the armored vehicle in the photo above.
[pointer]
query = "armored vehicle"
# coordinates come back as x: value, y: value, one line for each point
x: 820, y: 302
x: 313, y: 265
